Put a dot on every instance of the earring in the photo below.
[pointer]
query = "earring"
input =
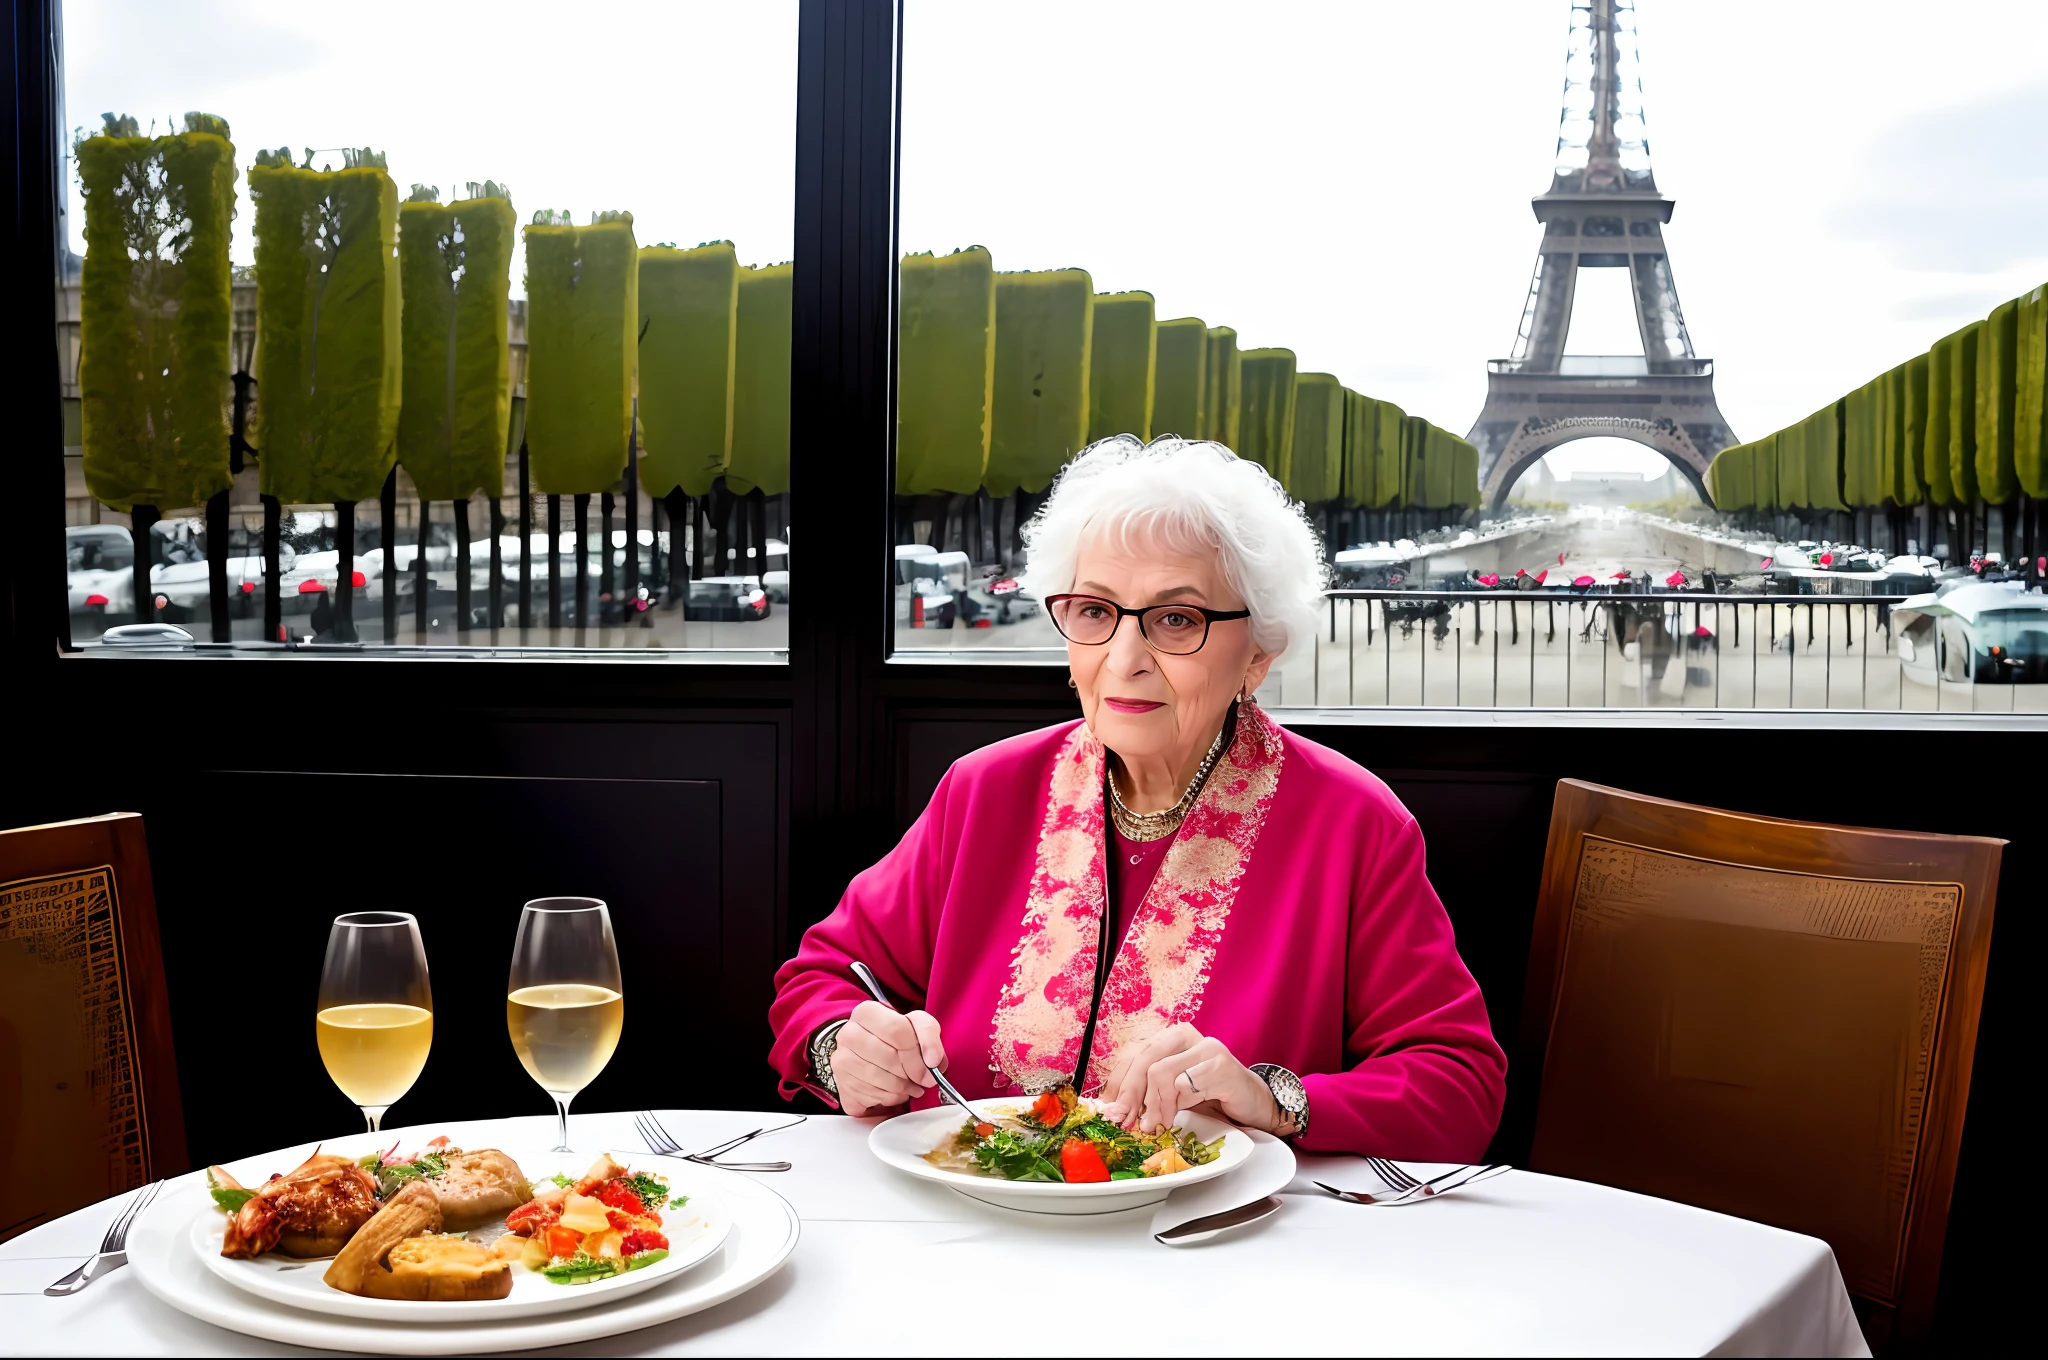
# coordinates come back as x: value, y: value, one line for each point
x: 1071, y: 684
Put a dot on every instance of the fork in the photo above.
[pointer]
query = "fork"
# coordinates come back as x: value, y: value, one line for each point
x: 659, y: 1140
x: 113, y: 1250
x: 1415, y: 1190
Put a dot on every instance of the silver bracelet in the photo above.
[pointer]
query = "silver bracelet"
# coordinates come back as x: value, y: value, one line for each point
x: 823, y: 1044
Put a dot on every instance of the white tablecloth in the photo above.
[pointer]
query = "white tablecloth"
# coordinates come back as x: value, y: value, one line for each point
x: 1524, y: 1264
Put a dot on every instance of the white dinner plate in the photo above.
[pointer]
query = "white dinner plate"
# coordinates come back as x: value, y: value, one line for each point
x: 693, y: 1234
x: 903, y: 1141
x: 762, y: 1235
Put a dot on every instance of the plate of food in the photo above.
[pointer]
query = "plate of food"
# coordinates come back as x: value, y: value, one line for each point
x: 444, y: 1234
x: 1055, y: 1154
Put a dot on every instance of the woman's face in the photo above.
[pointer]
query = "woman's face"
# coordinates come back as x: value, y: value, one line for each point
x: 1142, y: 704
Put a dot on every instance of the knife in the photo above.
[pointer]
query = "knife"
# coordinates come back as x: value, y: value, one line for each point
x: 1203, y: 1228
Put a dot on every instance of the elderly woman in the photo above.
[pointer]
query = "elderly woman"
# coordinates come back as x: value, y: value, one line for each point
x: 1227, y: 916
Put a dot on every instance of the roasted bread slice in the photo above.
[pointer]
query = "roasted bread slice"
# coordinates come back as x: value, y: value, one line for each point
x: 410, y: 1212
x: 439, y: 1269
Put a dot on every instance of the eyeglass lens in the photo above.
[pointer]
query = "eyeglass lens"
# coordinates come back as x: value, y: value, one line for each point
x: 1175, y: 629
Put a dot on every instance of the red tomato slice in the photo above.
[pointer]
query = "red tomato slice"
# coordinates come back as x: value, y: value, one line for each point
x: 1047, y: 1109
x: 1080, y: 1163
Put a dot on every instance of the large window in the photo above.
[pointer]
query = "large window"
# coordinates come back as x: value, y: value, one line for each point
x: 1302, y: 229
x: 438, y: 325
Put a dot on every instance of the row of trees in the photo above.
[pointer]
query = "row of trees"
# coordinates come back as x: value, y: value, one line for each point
x: 382, y: 341
x: 382, y: 337
x: 1964, y: 425
x: 1003, y: 376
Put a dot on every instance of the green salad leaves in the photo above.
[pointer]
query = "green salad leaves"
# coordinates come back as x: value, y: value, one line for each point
x: 1030, y: 1149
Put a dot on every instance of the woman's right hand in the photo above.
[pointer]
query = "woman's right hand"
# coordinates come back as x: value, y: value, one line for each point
x: 884, y: 1058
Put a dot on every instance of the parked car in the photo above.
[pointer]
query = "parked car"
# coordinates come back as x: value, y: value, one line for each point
x: 99, y: 561
x: 100, y: 567
x: 1988, y: 632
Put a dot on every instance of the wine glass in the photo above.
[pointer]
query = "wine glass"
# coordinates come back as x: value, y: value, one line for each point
x: 376, y: 1014
x: 564, y: 1004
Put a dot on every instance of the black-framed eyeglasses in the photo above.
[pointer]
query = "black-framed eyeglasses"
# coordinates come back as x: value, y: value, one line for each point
x: 1172, y: 629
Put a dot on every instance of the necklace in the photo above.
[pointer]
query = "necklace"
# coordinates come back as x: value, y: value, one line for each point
x: 1152, y: 826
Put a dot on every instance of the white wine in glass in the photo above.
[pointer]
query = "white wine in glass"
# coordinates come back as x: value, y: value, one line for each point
x: 564, y: 1004
x: 375, y: 1020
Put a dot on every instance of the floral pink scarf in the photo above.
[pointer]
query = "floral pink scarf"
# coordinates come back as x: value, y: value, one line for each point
x: 1163, y: 962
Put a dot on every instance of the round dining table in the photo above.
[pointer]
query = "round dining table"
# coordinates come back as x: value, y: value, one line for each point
x: 886, y: 1263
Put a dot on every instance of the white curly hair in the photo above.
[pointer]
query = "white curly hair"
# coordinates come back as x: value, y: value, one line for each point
x: 1193, y: 496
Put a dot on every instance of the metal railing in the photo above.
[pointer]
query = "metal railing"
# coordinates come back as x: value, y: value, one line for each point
x: 1571, y: 649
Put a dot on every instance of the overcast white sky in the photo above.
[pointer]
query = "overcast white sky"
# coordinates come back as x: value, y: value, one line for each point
x: 1348, y: 178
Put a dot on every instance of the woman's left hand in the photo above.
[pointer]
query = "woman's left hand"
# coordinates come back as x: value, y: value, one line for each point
x: 1178, y: 1069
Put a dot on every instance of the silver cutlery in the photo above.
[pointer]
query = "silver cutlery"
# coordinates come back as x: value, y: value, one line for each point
x: 867, y: 980
x: 659, y: 1140
x: 1413, y: 1191
x: 1203, y: 1228
x: 113, y: 1251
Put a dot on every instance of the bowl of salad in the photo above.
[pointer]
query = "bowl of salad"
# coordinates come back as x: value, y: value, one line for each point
x: 1054, y: 1154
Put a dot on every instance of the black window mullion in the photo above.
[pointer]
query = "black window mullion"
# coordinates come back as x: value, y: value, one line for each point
x: 842, y: 376
x: 33, y: 619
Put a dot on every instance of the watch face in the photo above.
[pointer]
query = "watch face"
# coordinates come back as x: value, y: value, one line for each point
x: 1288, y: 1090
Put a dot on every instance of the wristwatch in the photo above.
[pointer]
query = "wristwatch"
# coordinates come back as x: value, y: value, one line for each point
x: 823, y: 1044
x: 1288, y: 1093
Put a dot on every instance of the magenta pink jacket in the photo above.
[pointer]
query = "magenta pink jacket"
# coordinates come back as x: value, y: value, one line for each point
x: 1292, y: 919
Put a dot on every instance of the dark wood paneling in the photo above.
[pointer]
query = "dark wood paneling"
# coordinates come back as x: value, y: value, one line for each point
x: 462, y: 854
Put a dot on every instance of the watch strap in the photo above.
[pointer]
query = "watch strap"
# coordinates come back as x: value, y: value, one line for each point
x: 1290, y: 1093
x: 823, y: 1044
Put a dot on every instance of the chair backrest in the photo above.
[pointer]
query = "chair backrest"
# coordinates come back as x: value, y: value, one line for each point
x: 1767, y: 1018
x: 88, y: 1081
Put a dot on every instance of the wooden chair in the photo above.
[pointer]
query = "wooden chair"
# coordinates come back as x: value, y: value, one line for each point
x: 88, y: 1082
x: 1767, y: 1018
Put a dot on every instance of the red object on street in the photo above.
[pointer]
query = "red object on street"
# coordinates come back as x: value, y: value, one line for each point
x: 1542, y: 576
x: 1827, y: 559
x: 1676, y: 580
x: 92, y: 600
x: 1520, y: 573
x: 1560, y: 559
x: 248, y: 587
x: 1489, y: 580
x: 356, y: 579
x: 1620, y: 576
x: 1765, y: 565
x: 311, y: 587
x: 1582, y: 581
x: 917, y: 611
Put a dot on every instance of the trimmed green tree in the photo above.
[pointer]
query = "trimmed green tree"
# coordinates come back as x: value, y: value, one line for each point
x: 1044, y: 325
x: 1122, y: 366
x: 582, y: 356
x: 689, y: 333
x: 455, y: 268
x: 945, y: 371
x: 154, y: 313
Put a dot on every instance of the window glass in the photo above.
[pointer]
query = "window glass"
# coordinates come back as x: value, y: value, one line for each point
x: 402, y: 313
x: 1259, y: 225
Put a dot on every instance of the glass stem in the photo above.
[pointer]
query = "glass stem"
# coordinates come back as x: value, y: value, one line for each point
x: 562, y: 1121
x: 373, y: 1115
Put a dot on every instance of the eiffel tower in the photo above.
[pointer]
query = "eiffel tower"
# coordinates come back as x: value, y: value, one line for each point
x: 1603, y: 211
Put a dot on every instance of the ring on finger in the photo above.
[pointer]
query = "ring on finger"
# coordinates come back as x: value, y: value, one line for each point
x: 1192, y: 1088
